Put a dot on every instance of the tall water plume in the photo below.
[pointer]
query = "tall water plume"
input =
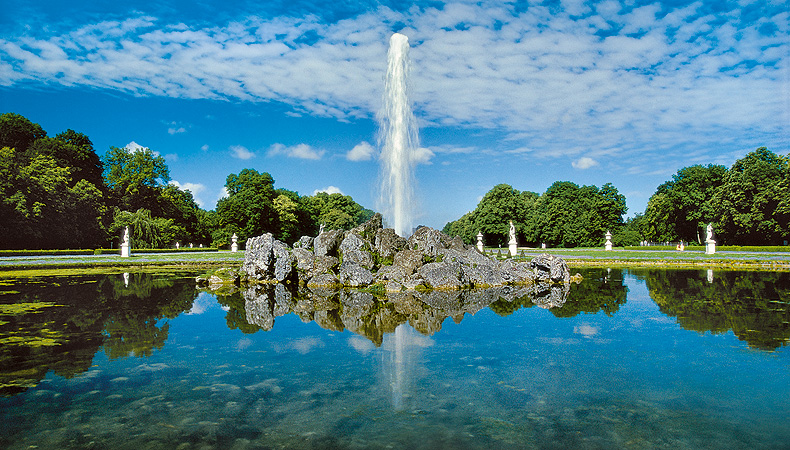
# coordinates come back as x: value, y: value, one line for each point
x: 398, y: 140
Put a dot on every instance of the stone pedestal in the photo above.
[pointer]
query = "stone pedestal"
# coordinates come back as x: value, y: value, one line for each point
x: 608, y: 246
x: 710, y: 247
x: 125, y: 251
x: 234, y: 247
x: 512, y: 247
x: 480, y: 241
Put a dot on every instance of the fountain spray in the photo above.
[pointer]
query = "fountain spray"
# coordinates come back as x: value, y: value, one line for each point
x: 398, y: 140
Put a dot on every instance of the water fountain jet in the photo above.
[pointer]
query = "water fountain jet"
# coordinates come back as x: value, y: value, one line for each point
x: 398, y: 139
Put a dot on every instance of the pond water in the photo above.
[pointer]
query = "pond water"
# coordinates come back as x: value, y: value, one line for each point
x: 626, y: 359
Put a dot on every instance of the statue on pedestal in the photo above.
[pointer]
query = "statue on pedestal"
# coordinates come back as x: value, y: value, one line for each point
x: 126, y: 244
x: 710, y: 243
x: 234, y: 246
x: 512, y: 243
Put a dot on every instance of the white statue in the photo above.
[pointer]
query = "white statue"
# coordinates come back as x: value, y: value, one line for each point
x: 512, y: 244
x: 710, y: 244
x: 125, y: 244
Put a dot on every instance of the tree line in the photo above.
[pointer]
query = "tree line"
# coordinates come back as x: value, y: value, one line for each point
x: 56, y: 192
x: 748, y: 204
x: 566, y: 215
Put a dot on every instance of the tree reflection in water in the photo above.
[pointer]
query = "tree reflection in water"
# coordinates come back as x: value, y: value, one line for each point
x: 754, y: 305
x: 59, y: 323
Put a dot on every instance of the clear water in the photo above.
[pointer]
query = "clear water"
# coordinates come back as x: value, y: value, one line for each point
x: 636, y: 359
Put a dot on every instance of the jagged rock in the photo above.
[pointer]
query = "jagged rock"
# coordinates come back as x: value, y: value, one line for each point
x: 325, y: 265
x: 408, y: 260
x: 284, y: 261
x: 442, y: 275
x: 428, y: 241
x: 550, y: 267
x: 387, y: 243
x: 429, y: 258
x: 259, y: 257
x: 305, y: 261
x: 354, y: 274
x: 324, y: 280
x: 328, y: 243
x: 353, y: 249
x: 367, y: 231
x: 305, y: 242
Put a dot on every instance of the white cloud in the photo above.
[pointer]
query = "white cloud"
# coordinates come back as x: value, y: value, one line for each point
x: 300, y: 151
x: 329, y: 190
x: 241, y: 152
x: 134, y: 147
x: 361, y: 152
x: 204, y: 147
x: 422, y: 155
x: 584, y: 163
x: 195, y: 188
x: 171, y: 157
x: 174, y: 130
x: 542, y: 74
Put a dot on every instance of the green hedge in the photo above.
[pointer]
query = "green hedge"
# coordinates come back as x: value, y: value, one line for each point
x: 720, y: 248
x: 100, y: 251
x: 117, y: 251
x: 44, y: 252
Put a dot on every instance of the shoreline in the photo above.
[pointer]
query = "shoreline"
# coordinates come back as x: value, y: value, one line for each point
x: 575, y: 258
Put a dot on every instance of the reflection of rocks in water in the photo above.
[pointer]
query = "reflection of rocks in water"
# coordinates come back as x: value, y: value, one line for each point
x: 550, y: 295
x: 372, y: 316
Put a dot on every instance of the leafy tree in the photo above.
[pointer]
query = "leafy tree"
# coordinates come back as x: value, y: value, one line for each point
x: 179, y: 205
x: 42, y: 208
x: 135, y: 178
x: 753, y: 200
x: 572, y: 216
x: 73, y: 150
x: 248, y: 210
x: 464, y: 227
x: 18, y: 132
x: 682, y: 207
x: 498, y: 207
x: 334, y: 211
x: 632, y: 233
x: 145, y: 231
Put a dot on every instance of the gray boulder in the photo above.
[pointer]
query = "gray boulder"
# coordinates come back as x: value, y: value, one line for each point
x: 328, y: 243
x: 354, y: 274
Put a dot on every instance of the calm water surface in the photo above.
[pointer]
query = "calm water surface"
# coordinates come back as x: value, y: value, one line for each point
x: 628, y: 359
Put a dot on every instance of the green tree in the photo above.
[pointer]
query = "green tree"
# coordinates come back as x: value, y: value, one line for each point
x: 42, y: 208
x: 18, y: 132
x: 145, y: 230
x: 135, y: 178
x: 573, y: 216
x: 683, y: 206
x: 73, y: 150
x: 248, y: 210
x: 335, y: 211
x: 752, y: 201
x: 498, y: 207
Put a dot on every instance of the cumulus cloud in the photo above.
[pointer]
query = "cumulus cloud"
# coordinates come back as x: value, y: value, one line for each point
x: 300, y: 151
x: 601, y: 76
x: 195, y: 188
x: 241, y: 152
x: 361, y: 152
x: 329, y: 190
x: 204, y: 147
x: 584, y: 163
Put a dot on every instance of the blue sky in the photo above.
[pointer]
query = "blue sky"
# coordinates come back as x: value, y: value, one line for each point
x: 524, y: 93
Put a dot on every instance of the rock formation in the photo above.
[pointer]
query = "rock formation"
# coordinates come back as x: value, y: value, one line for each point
x: 370, y: 255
